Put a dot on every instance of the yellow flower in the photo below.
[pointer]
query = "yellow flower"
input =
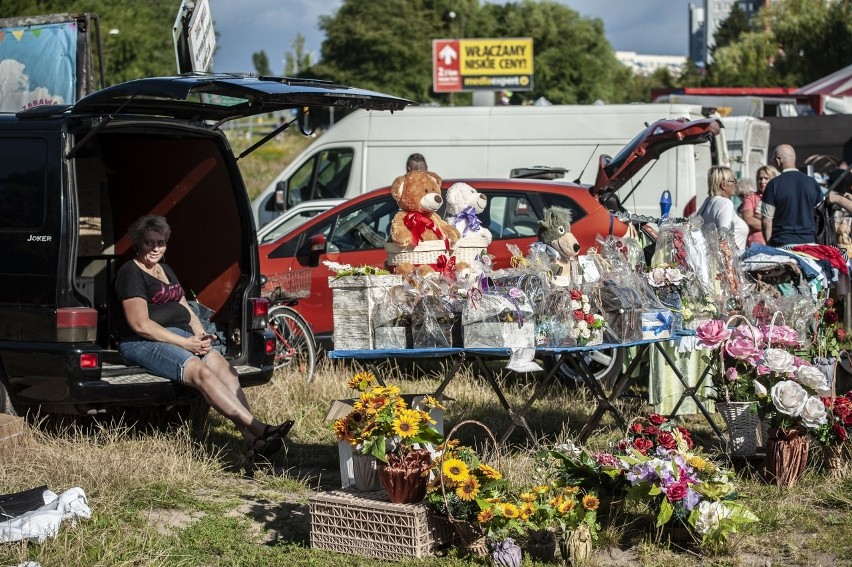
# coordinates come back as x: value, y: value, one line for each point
x: 571, y: 489
x: 362, y: 380
x: 342, y: 431
x: 566, y: 506
x: 485, y: 516
x: 432, y: 403
x: 405, y: 427
x: 696, y: 462
x: 590, y: 502
x: 468, y: 489
x: 510, y: 510
x: 490, y: 472
x: 527, y: 497
x: 413, y: 415
x: 526, y: 510
x: 375, y: 404
x: 425, y: 417
x: 456, y: 470
x: 541, y: 489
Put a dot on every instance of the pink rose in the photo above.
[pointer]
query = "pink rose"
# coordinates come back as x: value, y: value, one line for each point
x: 676, y: 491
x: 742, y: 349
x: 731, y: 374
x: 780, y: 335
x: 763, y: 370
x: 712, y: 333
x: 748, y: 332
x: 798, y: 361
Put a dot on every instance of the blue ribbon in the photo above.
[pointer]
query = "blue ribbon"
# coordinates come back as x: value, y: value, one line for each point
x: 468, y: 214
x: 666, y: 323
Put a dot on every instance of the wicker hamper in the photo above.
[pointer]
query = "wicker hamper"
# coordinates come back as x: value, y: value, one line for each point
x: 369, y: 525
x: 353, y: 301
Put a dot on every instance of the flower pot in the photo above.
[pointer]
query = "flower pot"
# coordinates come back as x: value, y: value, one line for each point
x: 541, y: 545
x: 786, y: 456
x: 506, y: 553
x: 833, y: 461
x: 576, y: 547
x: 744, y: 427
x: 403, y: 477
x: 366, y: 471
x: 827, y: 366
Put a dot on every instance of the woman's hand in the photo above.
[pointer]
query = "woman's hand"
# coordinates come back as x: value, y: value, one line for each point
x: 199, y: 344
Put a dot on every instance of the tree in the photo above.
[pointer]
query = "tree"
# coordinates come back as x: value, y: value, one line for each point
x: 297, y: 60
x: 731, y: 28
x: 261, y: 63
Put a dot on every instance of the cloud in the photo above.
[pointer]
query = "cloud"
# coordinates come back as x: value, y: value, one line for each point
x: 15, y: 92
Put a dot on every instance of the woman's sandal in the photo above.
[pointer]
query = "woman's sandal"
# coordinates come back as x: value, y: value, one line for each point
x: 272, y: 440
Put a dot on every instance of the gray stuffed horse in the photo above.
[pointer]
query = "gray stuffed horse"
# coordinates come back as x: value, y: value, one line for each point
x: 554, y: 230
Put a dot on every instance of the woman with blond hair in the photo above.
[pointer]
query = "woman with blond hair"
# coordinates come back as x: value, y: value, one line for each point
x: 718, y: 208
x: 750, y: 209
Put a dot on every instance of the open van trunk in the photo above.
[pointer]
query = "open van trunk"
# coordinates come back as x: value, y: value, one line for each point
x: 125, y: 172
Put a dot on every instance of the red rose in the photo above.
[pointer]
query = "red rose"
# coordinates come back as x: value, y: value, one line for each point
x: 642, y: 445
x: 576, y: 294
x: 841, y: 410
x: 841, y: 333
x: 621, y: 445
x: 829, y: 302
x: 636, y: 428
x: 590, y: 319
x: 839, y: 432
x: 652, y: 430
x: 667, y: 440
x: 657, y: 419
x: 676, y: 492
x: 687, y: 436
x: 579, y: 315
x: 826, y: 402
x: 831, y: 317
x: 847, y: 420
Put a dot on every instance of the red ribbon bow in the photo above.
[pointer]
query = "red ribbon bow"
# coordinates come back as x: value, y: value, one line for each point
x: 417, y: 223
x: 446, y: 267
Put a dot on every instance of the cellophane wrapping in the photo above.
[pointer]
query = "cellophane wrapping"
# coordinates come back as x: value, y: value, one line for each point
x: 392, y: 318
x: 499, y: 317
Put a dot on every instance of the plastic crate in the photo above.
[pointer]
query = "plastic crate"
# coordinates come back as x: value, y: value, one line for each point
x: 285, y: 286
x: 369, y: 525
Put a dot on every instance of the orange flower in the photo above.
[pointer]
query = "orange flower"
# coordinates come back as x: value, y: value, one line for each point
x: 485, y: 516
x: 591, y: 502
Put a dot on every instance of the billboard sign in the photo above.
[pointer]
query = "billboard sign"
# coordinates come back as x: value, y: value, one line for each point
x: 194, y: 37
x: 482, y: 64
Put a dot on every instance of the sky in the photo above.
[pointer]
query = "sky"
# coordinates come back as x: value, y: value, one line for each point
x: 652, y: 27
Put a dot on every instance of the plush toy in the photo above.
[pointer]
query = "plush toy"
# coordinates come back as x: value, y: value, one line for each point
x: 554, y: 231
x: 464, y: 203
x: 418, y: 194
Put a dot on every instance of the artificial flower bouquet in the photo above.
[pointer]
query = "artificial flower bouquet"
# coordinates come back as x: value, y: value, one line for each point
x: 566, y: 318
x: 838, y: 425
x: 662, y: 467
x: 383, y: 425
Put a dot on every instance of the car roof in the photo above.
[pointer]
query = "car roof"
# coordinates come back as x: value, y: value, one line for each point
x: 314, y: 204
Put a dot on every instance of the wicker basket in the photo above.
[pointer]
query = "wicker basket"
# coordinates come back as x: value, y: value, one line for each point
x: 745, y: 434
x: 467, y: 251
x: 426, y: 252
x: 287, y: 286
x: 369, y: 525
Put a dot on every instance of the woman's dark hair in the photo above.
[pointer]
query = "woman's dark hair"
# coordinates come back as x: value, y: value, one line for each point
x: 137, y: 230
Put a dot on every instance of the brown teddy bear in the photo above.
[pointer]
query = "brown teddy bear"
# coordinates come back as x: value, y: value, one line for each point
x: 418, y: 194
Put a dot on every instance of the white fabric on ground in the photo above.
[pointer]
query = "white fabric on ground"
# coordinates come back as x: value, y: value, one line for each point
x: 38, y: 525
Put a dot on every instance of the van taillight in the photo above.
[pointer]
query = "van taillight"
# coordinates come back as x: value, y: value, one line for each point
x: 270, y: 346
x: 259, y: 312
x: 89, y: 360
x: 76, y: 324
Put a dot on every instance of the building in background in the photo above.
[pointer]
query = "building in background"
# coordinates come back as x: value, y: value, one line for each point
x: 705, y: 19
x: 645, y: 65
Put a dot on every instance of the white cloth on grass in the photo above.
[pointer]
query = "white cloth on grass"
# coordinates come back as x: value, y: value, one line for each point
x: 44, y: 522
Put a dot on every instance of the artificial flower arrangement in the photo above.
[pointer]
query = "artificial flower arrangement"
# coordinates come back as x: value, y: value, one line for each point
x: 660, y: 464
x: 830, y: 336
x: 838, y: 425
x: 565, y: 318
x: 383, y: 425
x: 343, y: 270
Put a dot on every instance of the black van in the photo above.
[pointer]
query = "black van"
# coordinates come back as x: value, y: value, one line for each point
x: 73, y: 178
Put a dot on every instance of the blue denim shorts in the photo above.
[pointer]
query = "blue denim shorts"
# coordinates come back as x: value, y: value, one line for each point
x: 161, y: 359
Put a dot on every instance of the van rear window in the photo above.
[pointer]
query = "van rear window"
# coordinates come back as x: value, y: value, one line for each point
x: 23, y: 167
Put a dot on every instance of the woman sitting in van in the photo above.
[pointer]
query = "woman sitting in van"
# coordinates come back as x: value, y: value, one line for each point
x: 164, y: 336
x: 718, y: 209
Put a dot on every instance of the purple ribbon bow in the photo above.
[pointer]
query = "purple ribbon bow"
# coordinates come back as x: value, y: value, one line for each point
x: 468, y: 214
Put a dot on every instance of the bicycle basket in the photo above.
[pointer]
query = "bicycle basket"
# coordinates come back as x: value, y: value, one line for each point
x: 285, y: 286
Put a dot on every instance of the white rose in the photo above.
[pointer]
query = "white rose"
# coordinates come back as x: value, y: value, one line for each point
x: 814, y: 414
x: 575, y: 305
x: 657, y: 277
x: 789, y: 397
x: 582, y: 325
x: 813, y: 378
x: 759, y: 389
x: 710, y: 515
x: 778, y: 360
x: 674, y: 275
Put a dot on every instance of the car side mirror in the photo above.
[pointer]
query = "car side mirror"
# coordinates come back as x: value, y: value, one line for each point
x: 317, y: 245
x: 281, y: 196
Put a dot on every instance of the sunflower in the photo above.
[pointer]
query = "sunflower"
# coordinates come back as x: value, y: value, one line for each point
x: 432, y: 403
x: 342, y: 431
x: 362, y: 380
x: 571, y: 489
x: 541, y: 489
x: 468, y: 490
x: 590, y: 502
x: 485, y: 516
x: 456, y: 470
x: 527, y: 497
x: 566, y: 505
x: 510, y: 510
x: 425, y: 417
x: 490, y: 472
x: 374, y: 404
x: 413, y: 415
x: 405, y: 426
x: 526, y: 510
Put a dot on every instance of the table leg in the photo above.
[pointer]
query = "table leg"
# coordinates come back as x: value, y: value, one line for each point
x: 518, y: 418
x: 449, y: 376
x: 690, y: 391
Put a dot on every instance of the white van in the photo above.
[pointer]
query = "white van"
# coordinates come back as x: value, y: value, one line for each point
x: 748, y: 144
x: 368, y: 150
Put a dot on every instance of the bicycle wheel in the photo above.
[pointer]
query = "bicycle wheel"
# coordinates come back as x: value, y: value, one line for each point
x: 294, y: 342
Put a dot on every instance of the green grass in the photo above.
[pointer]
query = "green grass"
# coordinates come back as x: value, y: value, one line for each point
x: 168, y: 499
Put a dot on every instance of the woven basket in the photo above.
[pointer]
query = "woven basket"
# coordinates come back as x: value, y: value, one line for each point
x: 744, y: 428
x: 468, y: 252
x: 471, y: 535
x: 424, y: 253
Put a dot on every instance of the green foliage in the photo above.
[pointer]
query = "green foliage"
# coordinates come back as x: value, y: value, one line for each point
x: 732, y: 27
x: 261, y: 63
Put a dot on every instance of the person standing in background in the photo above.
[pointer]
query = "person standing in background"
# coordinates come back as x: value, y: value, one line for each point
x: 787, y: 207
x: 718, y: 209
x: 751, y: 204
x: 416, y: 162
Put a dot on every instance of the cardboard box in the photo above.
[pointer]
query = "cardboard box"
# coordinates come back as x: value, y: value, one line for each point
x: 11, y: 431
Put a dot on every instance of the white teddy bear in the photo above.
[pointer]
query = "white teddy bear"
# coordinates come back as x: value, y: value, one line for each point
x: 463, y: 204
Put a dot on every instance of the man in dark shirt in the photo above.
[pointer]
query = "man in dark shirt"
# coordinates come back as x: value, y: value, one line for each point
x: 788, y: 203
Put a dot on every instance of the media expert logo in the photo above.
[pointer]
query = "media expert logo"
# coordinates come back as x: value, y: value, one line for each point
x: 482, y: 64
